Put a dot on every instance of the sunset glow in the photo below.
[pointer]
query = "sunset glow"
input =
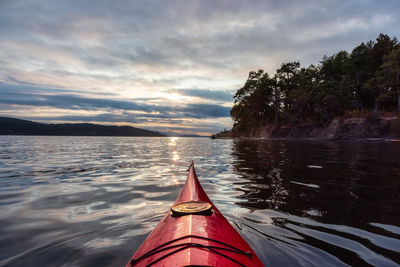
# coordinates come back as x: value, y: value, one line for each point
x: 141, y: 64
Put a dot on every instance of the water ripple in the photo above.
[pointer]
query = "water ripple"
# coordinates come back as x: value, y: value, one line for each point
x: 91, y: 201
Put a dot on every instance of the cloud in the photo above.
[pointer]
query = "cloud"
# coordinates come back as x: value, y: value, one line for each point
x: 218, y: 95
x: 204, y: 35
x: 16, y: 95
x: 108, y: 53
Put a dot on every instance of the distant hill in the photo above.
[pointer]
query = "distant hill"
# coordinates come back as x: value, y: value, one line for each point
x: 12, y: 126
x: 193, y: 135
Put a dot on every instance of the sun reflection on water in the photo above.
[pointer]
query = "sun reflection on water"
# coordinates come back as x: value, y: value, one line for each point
x: 175, y: 156
x: 174, y: 181
x: 172, y: 141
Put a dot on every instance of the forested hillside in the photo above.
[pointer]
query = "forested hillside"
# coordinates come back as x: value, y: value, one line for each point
x: 362, y: 83
x: 12, y: 126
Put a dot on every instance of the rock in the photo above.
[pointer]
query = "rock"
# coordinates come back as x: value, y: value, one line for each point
x: 337, y: 129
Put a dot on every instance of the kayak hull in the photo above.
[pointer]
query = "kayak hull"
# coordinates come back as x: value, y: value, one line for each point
x: 206, y: 240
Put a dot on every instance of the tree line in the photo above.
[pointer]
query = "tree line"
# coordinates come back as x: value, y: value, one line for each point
x: 357, y: 83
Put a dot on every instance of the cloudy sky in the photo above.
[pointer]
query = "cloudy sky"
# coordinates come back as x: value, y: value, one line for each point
x: 170, y: 66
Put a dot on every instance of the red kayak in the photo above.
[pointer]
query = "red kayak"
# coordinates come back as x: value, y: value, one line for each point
x: 194, y: 233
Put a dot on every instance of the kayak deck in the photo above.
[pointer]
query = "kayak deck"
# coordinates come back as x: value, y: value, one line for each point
x: 205, y: 240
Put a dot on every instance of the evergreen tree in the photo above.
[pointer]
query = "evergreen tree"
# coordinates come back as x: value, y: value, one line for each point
x: 366, y: 79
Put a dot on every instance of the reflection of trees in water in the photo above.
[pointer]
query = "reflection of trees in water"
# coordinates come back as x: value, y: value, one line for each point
x: 358, y: 182
x: 260, y: 162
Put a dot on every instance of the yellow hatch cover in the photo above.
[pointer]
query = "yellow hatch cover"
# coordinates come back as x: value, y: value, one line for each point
x: 191, y: 207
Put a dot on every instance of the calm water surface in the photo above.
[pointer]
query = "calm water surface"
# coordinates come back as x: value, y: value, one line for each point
x: 91, y: 201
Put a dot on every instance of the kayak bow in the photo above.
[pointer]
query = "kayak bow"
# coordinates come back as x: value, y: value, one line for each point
x: 194, y: 233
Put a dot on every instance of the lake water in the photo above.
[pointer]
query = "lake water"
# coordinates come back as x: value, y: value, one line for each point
x: 91, y: 201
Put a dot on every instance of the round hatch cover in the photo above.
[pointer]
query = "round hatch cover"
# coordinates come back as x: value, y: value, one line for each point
x: 191, y: 207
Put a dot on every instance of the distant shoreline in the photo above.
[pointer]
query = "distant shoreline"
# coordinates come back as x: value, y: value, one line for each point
x: 53, y: 135
x: 39, y: 135
x: 13, y: 126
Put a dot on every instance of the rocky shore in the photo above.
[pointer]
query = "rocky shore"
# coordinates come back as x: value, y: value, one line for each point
x: 337, y: 129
